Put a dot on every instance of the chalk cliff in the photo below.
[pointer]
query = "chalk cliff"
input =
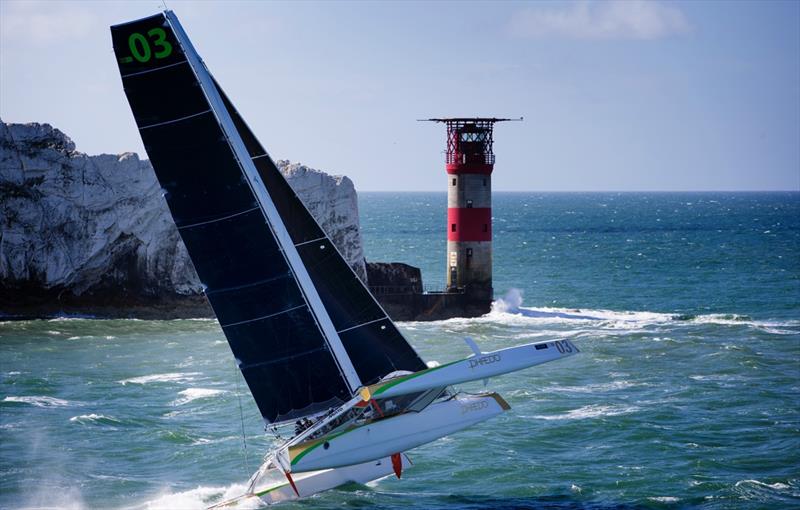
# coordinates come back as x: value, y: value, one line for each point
x: 92, y: 234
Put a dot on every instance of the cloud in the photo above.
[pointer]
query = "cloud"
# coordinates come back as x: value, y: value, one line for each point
x: 612, y: 19
x: 44, y: 22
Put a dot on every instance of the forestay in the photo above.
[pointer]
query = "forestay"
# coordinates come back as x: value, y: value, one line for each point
x: 304, y: 330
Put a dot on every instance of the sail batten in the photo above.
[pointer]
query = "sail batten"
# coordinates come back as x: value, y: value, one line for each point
x: 221, y: 218
x: 172, y: 121
x: 263, y: 317
x: 311, y: 241
x: 360, y: 325
x: 155, y: 69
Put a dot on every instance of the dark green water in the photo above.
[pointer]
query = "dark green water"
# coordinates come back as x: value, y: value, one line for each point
x: 686, y: 394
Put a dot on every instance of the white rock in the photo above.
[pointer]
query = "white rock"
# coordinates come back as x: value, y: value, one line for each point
x: 84, y: 223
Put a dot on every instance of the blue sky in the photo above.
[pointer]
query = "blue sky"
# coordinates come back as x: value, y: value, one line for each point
x: 626, y: 95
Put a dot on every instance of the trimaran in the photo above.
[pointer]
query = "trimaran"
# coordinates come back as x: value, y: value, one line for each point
x: 311, y: 341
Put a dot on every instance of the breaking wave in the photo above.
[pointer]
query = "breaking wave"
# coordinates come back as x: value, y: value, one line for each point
x: 171, y: 377
x: 594, y: 388
x: 664, y: 499
x: 509, y: 310
x: 39, y: 401
x: 194, y: 394
x: 763, y: 491
x: 590, y: 411
x: 93, y: 418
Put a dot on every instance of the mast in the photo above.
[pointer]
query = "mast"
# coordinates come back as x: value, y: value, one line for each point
x: 267, y: 206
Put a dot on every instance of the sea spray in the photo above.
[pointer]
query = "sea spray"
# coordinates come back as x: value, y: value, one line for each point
x: 509, y: 303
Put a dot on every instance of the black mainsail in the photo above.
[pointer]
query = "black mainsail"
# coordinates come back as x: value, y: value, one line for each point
x: 305, y: 331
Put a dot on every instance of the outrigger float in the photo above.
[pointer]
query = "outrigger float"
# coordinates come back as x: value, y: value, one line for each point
x: 316, y: 349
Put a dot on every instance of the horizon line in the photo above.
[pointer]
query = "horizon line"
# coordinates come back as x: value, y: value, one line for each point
x: 592, y: 191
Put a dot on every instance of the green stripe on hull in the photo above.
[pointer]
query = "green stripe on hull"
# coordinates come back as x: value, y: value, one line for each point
x: 259, y: 494
x: 395, y: 382
x: 320, y: 441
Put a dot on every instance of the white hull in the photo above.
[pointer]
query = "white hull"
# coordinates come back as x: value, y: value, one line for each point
x: 400, y: 433
x: 312, y: 482
x: 482, y: 365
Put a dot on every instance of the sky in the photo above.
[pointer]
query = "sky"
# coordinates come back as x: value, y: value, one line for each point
x: 616, y: 96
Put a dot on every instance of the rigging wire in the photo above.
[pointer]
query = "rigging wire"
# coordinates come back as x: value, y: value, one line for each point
x: 241, y: 416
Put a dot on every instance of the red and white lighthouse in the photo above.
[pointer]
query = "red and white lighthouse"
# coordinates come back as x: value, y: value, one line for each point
x: 469, y: 165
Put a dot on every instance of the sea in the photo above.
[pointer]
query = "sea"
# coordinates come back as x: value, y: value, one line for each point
x: 686, y: 392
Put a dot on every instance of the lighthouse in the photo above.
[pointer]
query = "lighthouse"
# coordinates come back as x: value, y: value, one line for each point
x: 469, y: 165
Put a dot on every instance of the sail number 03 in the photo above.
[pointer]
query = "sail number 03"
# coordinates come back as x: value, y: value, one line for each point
x: 141, y: 48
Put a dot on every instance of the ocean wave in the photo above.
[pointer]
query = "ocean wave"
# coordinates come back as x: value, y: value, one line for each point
x: 204, y: 441
x: 39, y: 401
x: 95, y: 419
x: 595, y: 388
x: 763, y: 491
x: 664, y: 499
x: 590, y: 411
x: 170, y: 377
x: 756, y: 483
x: 194, y: 394
x: 716, y: 377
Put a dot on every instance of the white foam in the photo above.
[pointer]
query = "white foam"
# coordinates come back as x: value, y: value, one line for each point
x: 509, y: 311
x: 194, y: 394
x: 511, y: 303
x: 590, y: 411
x: 204, y: 440
x: 776, y: 486
x: 715, y: 377
x: 199, y: 498
x: 171, y: 377
x: 39, y: 401
x: 87, y: 418
x: 595, y: 388
x: 665, y: 499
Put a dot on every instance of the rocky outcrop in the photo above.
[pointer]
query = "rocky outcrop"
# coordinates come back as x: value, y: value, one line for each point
x: 92, y: 234
x: 393, y: 278
x: 399, y: 289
